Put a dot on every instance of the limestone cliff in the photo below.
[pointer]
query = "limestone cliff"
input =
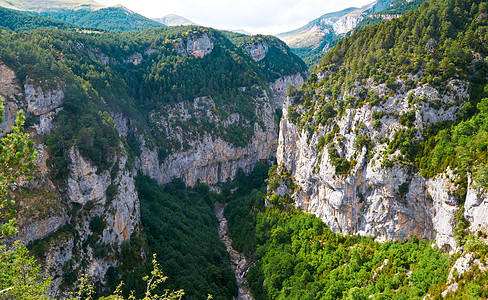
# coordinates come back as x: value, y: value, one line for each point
x: 79, y: 223
x: 78, y: 229
x: 206, y: 156
x: 374, y: 198
x: 196, y: 45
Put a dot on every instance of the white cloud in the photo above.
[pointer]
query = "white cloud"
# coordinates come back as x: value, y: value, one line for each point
x: 256, y: 16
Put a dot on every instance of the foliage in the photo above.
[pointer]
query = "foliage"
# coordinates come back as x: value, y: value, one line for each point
x: 278, y: 62
x: 98, y: 78
x: 398, y: 7
x: 298, y: 257
x: 17, y: 155
x: 116, y: 18
x: 17, y: 21
x: 438, y: 42
x: 21, y: 276
x: 86, y: 291
x: 175, y: 219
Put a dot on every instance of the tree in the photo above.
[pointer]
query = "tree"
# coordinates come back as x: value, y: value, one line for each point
x: 20, y: 277
x: 85, y: 291
x: 17, y: 155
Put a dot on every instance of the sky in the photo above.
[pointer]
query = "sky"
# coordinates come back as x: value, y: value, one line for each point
x: 254, y: 16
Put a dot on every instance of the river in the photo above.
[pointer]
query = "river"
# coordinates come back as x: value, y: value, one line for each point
x: 238, y: 260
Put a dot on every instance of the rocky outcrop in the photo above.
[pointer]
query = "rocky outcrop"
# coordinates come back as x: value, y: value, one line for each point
x: 476, y: 208
x: 258, y: 50
x: 467, y: 262
x: 134, y: 59
x: 346, y: 24
x: 58, y: 219
x: 118, y: 213
x: 209, y: 158
x: 197, y: 45
x: 387, y: 201
x: 280, y: 85
x: 9, y: 90
x: 441, y: 189
x: 41, y: 101
x: 9, y: 87
x: 84, y: 184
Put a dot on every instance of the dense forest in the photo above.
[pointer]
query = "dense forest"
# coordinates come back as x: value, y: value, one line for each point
x: 278, y: 58
x: 99, y: 77
x: 437, y: 43
x: 17, y: 21
x: 175, y: 220
x: 297, y: 257
x: 294, y: 255
x: 115, y: 18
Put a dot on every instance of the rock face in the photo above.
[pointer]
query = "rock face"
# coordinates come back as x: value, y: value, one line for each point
x: 209, y: 158
x: 258, y: 50
x: 134, y: 59
x: 79, y: 229
x: 386, y: 201
x: 331, y: 26
x: 441, y: 189
x: 476, y: 208
x: 39, y: 101
x: 197, y: 45
x: 117, y: 214
x: 462, y: 265
x: 280, y: 85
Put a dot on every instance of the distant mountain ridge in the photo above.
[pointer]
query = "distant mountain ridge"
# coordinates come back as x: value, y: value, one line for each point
x: 311, y: 41
x: 42, y: 5
x: 85, y: 13
x: 174, y: 20
x: 113, y: 18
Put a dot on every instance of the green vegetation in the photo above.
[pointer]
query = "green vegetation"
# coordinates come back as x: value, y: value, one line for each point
x: 17, y: 156
x: 279, y: 61
x: 116, y: 18
x: 17, y: 21
x: 94, y: 72
x: 181, y: 227
x: 298, y: 257
x: 437, y: 43
x: 398, y: 7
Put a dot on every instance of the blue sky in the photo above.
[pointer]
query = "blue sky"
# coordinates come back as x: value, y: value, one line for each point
x: 255, y: 16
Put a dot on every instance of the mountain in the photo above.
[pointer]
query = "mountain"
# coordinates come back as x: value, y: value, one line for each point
x: 18, y: 21
x: 311, y: 41
x: 42, y: 5
x: 113, y: 18
x: 386, y: 140
x: 85, y: 13
x: 117, y: 115
x: 207, y: 149
x: 174, y: 20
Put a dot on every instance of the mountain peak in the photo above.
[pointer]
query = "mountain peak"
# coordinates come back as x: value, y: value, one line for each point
x: 174, y: 20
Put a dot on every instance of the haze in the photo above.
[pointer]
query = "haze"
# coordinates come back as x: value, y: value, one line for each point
x: 254, y: 16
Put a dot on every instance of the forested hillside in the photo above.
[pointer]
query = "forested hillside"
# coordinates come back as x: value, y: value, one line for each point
x: 385, y: 139
x: 313, y: 40
x: 378, y: 190
x: 103, y: 107
x: 17, y: 21
x: 113, y: 18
